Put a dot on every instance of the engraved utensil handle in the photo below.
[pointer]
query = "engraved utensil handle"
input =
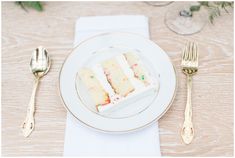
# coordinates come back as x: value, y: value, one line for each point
x: 187, y: 132
x: 28, y: 124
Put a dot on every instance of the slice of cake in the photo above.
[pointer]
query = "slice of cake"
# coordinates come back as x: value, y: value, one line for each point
x: 95, y: 89
x: 116, y: 77
x: 137, y: 67
x: 117, y: 82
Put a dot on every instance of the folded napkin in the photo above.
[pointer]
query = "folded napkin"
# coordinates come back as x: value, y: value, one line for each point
x: 83, y: 141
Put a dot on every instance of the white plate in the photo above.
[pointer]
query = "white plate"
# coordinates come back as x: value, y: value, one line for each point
x: 136, y: 115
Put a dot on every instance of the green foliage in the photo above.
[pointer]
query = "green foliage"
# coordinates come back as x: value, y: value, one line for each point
x: 214, y: 8
x: 195, y: 8
x: 30, y: 4
x: 204, y: 3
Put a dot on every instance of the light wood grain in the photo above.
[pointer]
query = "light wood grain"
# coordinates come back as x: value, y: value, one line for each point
x: 54, y: 29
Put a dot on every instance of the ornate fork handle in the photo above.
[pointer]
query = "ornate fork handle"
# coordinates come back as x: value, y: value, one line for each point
x: 187, y: 132
x: 28, y: 124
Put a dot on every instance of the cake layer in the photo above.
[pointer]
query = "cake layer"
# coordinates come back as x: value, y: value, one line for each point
x: 116, y: 77
x: 137, y: 67
x: 132, y: 97
x: 95, y: 89
x: 140, y: 88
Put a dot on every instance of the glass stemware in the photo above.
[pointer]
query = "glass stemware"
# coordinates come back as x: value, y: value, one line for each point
x: 158, y: 3
x: 181, y: 20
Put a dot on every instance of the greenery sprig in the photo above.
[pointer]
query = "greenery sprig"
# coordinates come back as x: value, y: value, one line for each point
x: 214, y: 8
x: 30, y: 4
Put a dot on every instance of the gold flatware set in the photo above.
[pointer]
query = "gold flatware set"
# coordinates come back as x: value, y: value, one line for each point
x: 40, y: 65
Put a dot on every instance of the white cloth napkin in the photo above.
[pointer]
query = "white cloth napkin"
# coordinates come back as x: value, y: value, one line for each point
x: 83, y: 141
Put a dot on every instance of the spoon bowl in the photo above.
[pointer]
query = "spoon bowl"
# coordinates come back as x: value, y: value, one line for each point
x: 40, y: 62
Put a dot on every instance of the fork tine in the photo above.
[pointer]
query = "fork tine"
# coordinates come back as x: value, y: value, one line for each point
x: 187, y: 51
x: 192, y: 51
x: 196, y: 56
x: 195, y: 52
x: 184, y: 54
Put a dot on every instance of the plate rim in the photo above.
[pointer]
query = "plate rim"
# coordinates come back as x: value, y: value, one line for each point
x: 107, y: 131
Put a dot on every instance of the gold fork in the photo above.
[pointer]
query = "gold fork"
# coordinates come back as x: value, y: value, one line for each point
x: 189, y: 66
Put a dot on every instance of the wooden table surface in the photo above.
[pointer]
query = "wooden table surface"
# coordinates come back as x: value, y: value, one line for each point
x: 54, y: 29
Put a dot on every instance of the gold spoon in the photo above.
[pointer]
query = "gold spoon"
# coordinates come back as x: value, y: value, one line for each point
x: 40, y: 65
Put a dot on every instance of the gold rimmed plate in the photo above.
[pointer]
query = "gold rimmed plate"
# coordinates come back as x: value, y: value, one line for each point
x: 136, y: 115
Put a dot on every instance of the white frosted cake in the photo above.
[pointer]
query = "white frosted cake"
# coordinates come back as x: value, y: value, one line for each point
x: 118, y: 81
